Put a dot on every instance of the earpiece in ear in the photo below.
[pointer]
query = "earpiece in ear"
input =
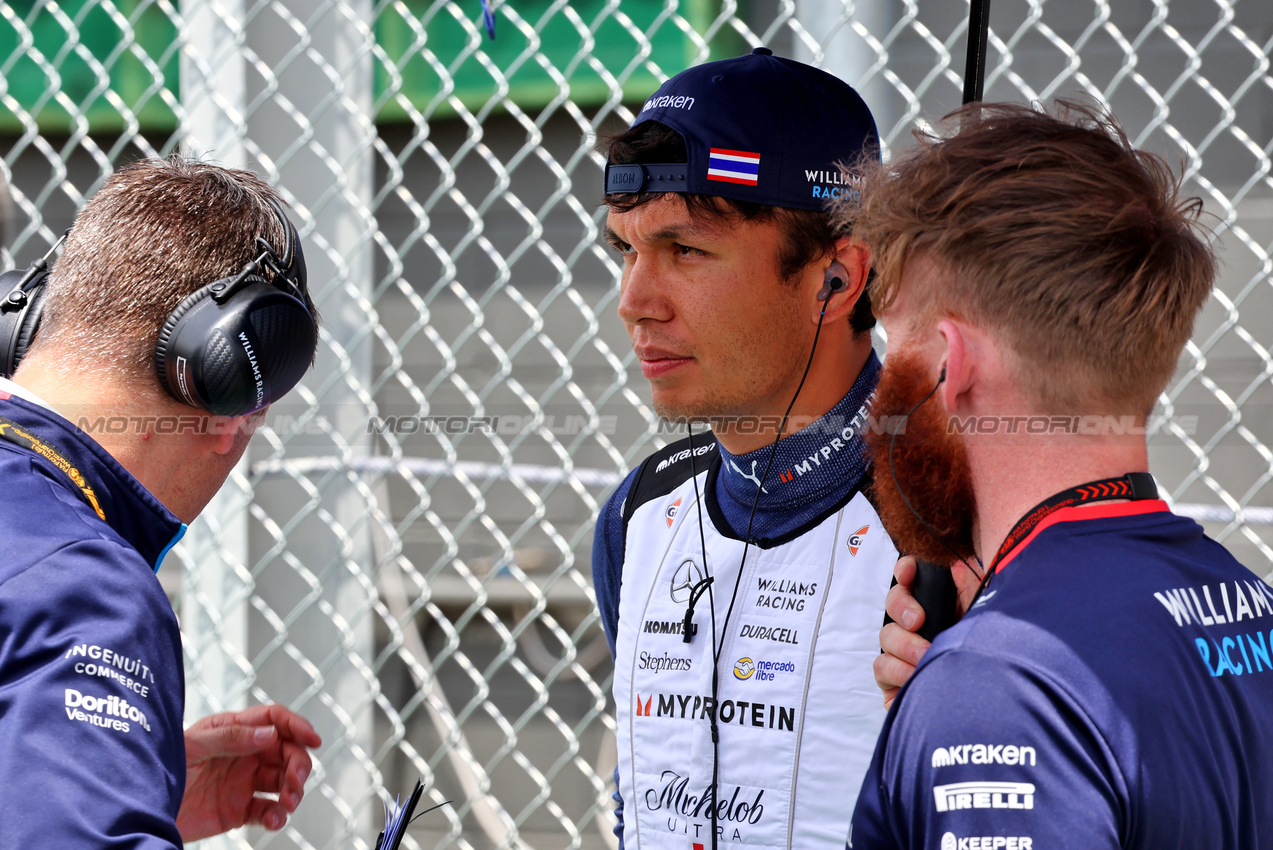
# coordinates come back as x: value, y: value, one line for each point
x: 835, y: 279
x: 942, y: 378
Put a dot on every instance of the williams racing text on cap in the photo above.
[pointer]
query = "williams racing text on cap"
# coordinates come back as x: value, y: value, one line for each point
x: 757, y: 128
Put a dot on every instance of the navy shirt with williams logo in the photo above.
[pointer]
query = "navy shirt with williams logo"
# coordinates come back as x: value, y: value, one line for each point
x: 1112, y: 689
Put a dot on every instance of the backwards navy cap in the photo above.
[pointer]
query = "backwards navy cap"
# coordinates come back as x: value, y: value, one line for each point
x: 757, y: 128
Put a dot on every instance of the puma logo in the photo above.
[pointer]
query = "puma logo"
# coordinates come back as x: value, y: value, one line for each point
x: 751, y: 477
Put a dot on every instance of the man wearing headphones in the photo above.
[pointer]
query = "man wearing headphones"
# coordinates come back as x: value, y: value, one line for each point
x: 741, y: 577
x: 1111, y: 683
x: 178, y: 307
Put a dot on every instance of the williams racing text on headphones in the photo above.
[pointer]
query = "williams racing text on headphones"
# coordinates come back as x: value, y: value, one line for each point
x: 230, y: 348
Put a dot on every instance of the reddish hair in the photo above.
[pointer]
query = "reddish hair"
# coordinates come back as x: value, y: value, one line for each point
x: 1052, y: 230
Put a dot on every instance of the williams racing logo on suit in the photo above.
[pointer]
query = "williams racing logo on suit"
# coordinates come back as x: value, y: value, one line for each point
x: 1225, y: 651
x: 783, y: 594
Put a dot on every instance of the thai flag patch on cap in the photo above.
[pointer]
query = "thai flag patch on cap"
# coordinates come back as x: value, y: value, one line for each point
x: 733, y: 166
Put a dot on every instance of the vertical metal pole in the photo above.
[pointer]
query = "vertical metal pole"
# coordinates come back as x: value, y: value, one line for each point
x: 316, y: 131
x: 975, y: 62
x: 215, y: 552
x: 285, y: 89
x: 213, y: 80
x: 846, y: 55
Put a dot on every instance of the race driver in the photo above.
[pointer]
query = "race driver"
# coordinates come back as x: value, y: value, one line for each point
x: 741, y: 578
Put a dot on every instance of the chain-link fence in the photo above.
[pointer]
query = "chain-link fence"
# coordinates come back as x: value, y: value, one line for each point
x: 403, y: 556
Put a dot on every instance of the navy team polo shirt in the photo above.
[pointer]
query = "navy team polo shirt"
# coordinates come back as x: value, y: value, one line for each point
x: 1113, y: 688
x: 92, y: 753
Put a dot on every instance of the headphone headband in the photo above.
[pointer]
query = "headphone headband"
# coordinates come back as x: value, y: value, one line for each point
x: 290, y: 266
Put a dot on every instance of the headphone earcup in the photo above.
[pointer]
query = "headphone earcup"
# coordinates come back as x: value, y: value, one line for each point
x: 18, y: 325
x: 174, y: 376
x: 29, y: 325
x: 233, y: 358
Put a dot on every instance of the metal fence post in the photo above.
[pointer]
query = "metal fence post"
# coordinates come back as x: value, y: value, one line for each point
x: 315, y: 130
x: 214, y: 555
x: 306, y: 125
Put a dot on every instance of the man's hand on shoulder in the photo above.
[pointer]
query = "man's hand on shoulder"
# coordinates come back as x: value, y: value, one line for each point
x: 233, y: 759
x: 902, y: 647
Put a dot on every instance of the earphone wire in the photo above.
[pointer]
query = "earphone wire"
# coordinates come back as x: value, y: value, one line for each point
x: 773, y: 451
x: 704, y: 585
x: 742, y: 562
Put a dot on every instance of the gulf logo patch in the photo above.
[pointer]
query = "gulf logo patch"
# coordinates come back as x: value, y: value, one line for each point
x: 856, y: 538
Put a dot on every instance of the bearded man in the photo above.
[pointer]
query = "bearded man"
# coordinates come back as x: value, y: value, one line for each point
x: 1110, y: 685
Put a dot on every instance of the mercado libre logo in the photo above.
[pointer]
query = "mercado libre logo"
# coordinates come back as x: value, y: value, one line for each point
x: 761, y: 670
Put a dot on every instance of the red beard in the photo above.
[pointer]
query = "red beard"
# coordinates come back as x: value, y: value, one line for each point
x: 929, y: 464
